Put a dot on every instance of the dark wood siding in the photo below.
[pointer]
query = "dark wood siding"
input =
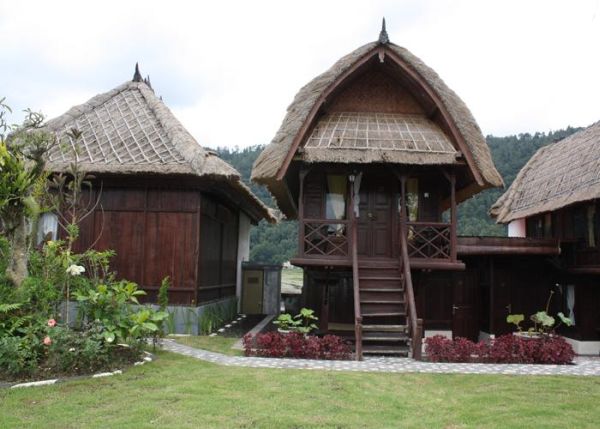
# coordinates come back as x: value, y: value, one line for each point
x: 154, y: 233
x: 218, y: 254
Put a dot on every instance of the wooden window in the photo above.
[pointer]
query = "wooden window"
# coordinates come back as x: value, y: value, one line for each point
x: 535, y: 227
x: 335, y: 198
x: 335, y: 202
x: 412, y: 199
x: 591, y: 225
x: 548, y: 225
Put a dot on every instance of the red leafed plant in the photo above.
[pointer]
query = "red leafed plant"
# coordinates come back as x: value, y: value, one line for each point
x: 296, y: 345
x: 549, y: 349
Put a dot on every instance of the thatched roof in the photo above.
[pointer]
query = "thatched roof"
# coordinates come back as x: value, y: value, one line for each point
x: 272, y: 159
x: 556, y: 176
x: 129, y: 130
x: 378, y: 137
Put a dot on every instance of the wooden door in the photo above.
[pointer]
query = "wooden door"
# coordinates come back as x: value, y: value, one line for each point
x: 464, y: 315
x: 375, y: 221
x: 502, y: 298
x: 252, y: 293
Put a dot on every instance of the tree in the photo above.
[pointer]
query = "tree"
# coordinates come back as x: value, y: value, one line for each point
x: 22, y: 182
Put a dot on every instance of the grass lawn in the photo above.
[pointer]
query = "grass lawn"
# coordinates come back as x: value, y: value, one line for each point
x: 178, y: 391
x: 214, y: 344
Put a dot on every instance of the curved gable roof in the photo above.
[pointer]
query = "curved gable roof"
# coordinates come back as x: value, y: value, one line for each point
x: 270, y: 166
x: 556, y: 176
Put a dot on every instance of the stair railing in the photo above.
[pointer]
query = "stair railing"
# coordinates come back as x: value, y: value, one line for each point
x: 415, y: 324
x: 355, y: 280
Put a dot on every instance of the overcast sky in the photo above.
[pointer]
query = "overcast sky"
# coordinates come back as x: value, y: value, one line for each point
x: 228, y: 70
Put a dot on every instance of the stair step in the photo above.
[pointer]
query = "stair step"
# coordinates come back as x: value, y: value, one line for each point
x: 387, y: 314
x: 381, y: 301
x: 385, y: 350
x: 384, y: 328
x: 380, y: 278
x: 385, y: 336
x: 380, y: 289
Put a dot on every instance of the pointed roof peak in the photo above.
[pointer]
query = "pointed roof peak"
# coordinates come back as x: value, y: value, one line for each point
x: 137, y: 76
x: 383, y: 36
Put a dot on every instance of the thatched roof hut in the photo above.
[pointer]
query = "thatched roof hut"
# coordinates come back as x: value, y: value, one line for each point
x: 310, y: 133
x: 130, y: 131
x: 556, y: 176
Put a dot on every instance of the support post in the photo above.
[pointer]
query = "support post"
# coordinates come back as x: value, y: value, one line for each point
x: 453, y: 218
x: 301, y: 228
x: 355, y: 281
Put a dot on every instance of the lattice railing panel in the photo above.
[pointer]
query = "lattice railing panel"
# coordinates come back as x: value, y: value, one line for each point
x: 326, y: 238
x: 430, y: 241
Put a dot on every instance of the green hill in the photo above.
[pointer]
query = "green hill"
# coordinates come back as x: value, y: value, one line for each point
x: 277, y: 243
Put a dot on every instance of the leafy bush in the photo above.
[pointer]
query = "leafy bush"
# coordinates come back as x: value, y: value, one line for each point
x: 110, y: 305
x: 296, y: 345
x: 548, y: 349
x: 19, y: 356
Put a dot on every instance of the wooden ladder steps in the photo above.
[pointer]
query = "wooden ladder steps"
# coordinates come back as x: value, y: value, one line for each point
x: 378, y: 289
x: 385, y: 328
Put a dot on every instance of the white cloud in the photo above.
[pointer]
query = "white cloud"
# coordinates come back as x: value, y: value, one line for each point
x: 230, y: 69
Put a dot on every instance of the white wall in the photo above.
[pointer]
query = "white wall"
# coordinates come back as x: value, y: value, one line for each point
x: 243, y: 252
x: 516, y: 228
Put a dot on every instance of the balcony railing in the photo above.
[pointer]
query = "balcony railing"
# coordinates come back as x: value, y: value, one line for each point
x: 325, y: 237
x: 430, y: 240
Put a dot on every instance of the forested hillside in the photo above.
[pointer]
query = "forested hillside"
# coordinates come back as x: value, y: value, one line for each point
x: 277, y: 243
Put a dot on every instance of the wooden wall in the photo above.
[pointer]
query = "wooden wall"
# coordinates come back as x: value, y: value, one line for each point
x: 165, y: 232
x: 218, y: 255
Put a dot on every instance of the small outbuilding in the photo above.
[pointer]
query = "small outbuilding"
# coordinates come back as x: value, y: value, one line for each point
x: 167, y: 206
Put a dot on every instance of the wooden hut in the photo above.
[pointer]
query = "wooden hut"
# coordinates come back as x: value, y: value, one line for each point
x: 555, y: 197
x: 167, y: 206
x: 370, y: 156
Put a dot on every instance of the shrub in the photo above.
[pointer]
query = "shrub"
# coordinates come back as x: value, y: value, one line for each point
x: 18, y: 357
x: 548, y: 349
x: 296, y: 345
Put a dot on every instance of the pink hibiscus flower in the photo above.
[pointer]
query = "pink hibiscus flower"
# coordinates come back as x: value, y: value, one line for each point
x: 52, y: 323
x: 47, y: 340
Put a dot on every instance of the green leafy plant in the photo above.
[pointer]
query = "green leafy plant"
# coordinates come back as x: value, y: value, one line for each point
x: 543, y: 323
x: 303, y: 322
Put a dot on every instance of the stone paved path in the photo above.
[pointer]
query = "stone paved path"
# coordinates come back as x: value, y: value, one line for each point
x: 584, y: 366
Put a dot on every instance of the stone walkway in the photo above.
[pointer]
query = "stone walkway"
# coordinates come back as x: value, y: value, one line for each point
x: 584, y: 366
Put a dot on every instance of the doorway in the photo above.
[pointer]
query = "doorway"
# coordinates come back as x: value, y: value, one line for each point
x: 375, y: 222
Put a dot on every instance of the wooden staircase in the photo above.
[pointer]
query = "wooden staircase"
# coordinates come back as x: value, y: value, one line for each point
x: 383, y: 310
x: 385, y: 314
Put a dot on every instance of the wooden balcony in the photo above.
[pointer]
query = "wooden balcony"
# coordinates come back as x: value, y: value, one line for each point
x: 325, y: 242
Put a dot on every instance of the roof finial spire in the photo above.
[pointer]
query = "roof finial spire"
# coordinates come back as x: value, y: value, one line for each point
x: 137, y: 76
x: 383, y: 36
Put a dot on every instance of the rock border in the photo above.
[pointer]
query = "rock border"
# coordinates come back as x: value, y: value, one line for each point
x: 149, y: 357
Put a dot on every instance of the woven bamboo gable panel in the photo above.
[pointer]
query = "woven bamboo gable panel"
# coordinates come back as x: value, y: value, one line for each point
x: 383, y: 131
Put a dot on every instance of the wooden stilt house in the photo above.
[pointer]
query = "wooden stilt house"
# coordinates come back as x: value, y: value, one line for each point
x: 167, y: 206
x: 555, y: 198
x: 372, y: 158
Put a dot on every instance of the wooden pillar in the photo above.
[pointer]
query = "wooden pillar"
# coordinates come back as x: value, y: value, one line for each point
x: 301, y: 231
x: 453, y: 217
x: 403, y: 214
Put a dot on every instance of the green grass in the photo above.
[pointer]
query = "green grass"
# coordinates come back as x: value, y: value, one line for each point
x: 214, y: 344
x: 178, y: 391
